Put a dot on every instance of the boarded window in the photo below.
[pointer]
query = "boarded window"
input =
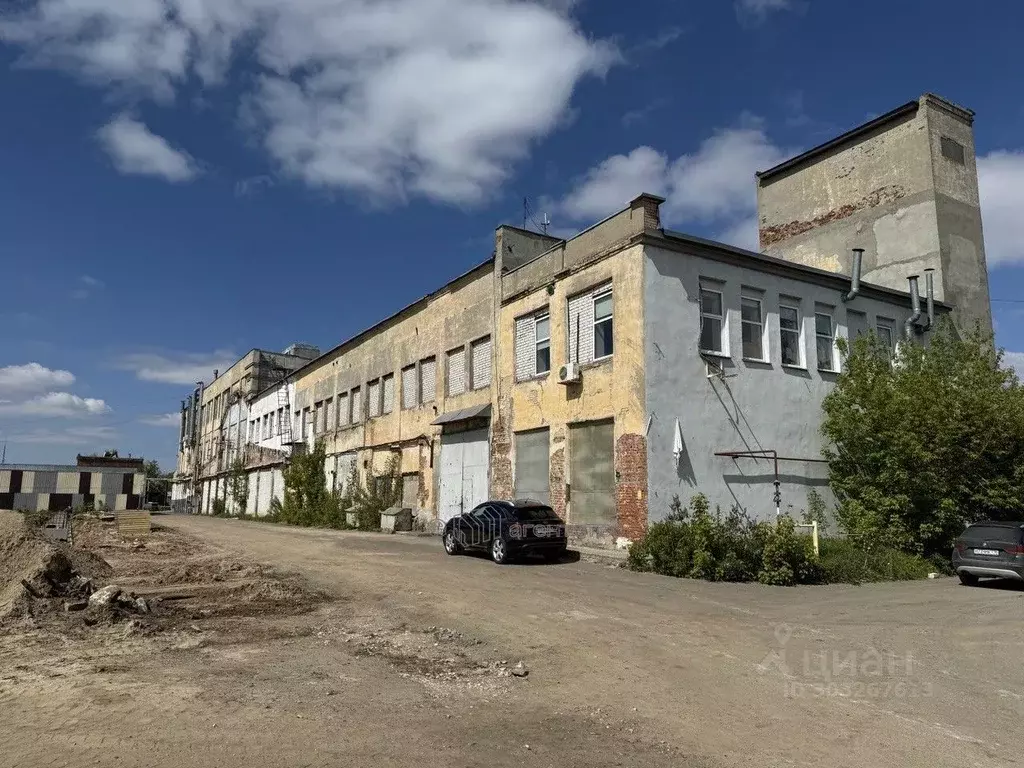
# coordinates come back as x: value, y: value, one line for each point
x: 409, y: 386
x: 343, y: 414
x: 428, y: 380
x: 357, y: 405
x: 330, y: 420
x: 410, y: 490
x: 532, y: 465
x: 373, y: 399
x: 388, y: 388
x: 318, y: 418
x: 480, y: 362
x: 457, y: 371
x: 592, y: 473
x: 952, y: 150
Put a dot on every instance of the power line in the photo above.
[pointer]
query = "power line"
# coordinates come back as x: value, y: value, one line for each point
x: 1007, y: 301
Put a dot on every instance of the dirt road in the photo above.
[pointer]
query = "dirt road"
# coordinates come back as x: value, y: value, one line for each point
x: 624, y: 669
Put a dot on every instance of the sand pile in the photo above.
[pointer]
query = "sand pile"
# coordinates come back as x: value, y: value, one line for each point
x: 34, y: 567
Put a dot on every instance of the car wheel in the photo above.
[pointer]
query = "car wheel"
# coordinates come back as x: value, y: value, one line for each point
x: 499, y: 551
x: 968, y: 579
x: 451, y: 546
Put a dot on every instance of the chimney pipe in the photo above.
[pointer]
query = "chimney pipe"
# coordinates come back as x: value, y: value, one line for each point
x: 215, y: 372
x: 915, y: 308
x: 858, y: 258
x: 929, y: 290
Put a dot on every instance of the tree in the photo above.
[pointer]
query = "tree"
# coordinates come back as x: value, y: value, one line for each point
x: 923, y: 444
x: 157, y: 493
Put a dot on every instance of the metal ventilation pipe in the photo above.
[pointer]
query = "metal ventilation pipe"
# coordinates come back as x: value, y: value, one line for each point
x: 915, y: 308
x: 858, y: 258
x: 929, y: 290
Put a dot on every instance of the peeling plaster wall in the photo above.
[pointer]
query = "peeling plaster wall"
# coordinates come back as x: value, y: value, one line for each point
x: 756, y: 406
x: 613, y: 388
x: 455, y: 317
x: 893, y: 193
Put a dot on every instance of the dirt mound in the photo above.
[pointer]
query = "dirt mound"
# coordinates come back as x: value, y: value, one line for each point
x: 33, y: 566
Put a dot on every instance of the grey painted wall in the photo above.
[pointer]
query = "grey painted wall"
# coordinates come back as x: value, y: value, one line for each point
x: 757, y: 406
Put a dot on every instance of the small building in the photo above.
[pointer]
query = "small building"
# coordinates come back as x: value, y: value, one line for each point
x: 55, y: 487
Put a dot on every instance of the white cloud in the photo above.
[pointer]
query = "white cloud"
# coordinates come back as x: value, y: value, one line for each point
x: 86, y: 286
x: 1001, y: 187
x: 409, y: 97
x: 162, y: 420
x: 62, y: 404
x: 1015, y: 360
x: 90, y: 281
x: 742, y: 234
x: 138, y: 151
x: 177, y: 368
x: 17, y: 381
x: 714, y: 185
x: 758, y: 10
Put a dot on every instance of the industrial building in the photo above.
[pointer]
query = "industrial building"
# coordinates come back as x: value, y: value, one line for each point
x: 611, y: 371
x: 56, y: 487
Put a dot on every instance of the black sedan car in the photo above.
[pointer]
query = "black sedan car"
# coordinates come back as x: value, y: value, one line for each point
x: 989, y: 548
x: 507, y: 530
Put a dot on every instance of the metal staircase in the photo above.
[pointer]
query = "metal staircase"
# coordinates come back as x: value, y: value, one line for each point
x: 284, y: 424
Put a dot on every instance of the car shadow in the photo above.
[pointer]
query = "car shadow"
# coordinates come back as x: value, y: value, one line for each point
x: 1009, y: 585
x: 570, y: 556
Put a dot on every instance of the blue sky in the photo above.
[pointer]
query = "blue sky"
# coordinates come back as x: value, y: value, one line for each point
x: 167, y: 164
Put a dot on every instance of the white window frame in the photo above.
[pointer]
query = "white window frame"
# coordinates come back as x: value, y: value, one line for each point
x: 801, y: 361
x: 600, y: 294
x: 546, y: 315
x: 723, y: 319
x: 765, y: 354
x: 830, y: 314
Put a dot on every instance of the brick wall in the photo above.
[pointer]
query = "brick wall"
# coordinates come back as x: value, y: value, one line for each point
x: 631, y: 485
x: 556, y: 470
x: 501, y: 454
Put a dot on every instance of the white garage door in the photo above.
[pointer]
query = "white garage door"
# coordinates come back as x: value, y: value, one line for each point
x: 463, y: 478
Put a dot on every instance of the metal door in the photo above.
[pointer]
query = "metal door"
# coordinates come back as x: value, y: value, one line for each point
x: 592, y: 473
x: 462, y: 482
x: 533, y: 465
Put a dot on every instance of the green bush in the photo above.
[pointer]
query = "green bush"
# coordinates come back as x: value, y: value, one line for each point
x: 847, y: 561
x: 696, y: 543
x: 219, y: 507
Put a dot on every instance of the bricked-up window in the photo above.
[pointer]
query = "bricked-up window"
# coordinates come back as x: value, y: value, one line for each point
x: 357, y: 405
x: 457, y: 371
x: 344, y: 417
x: 712, y: 321
x: 373, y: 399
x: 789, y: 335
x: 480, y: 363
x: 388, y: 393
x: 330, y: 420
x: 428, y: 380
x: 590, y: 336
x: 318, y: 417
x: 752, y: 320
x: 825, y: 339
x: 952, y: 150
x: 409, y: 386
x: 533, y: 346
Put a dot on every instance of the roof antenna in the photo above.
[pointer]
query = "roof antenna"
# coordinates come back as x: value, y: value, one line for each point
x: 545, y: 222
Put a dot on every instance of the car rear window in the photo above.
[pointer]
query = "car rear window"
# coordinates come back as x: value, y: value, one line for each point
x: 527, y: 514
x: 993, y: 533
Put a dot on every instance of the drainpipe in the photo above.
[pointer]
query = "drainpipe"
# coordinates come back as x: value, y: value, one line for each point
x: 858, y: 257
x: 929, y: 289
x: 915, y: 307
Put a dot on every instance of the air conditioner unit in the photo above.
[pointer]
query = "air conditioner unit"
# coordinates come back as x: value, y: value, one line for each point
x: 569, y: 373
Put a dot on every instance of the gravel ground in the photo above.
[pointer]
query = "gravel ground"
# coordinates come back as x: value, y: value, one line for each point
x: 288, y: 647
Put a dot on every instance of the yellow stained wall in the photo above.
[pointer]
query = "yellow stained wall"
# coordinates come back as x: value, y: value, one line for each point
x: 453, y: 318
x: 613, y: 388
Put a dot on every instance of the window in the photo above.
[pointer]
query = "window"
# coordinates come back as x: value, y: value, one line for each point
x: 542, y: 344
x: 330, y: 421
x: 884, y: 330
x: 825, y: 338
x: 533, y: 346
x: 271, y: 431
x: 307, y: 425
x: 357, y: 405
x: 266, y: 427
x: 428, y: 380
x: 752, y: 323
x: 712, y: 322
x: 373, y: 399
x: 789, y: 335
x: 344, y: 417
x: 457, y: 371
x: 480, y: 363
x: 318, y: 417
x: 952, y: 150
x: 280, y: 421
x: 388, y: 392
x: 603, y: 337
x: 409, y: 386
x: 590, y: 325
